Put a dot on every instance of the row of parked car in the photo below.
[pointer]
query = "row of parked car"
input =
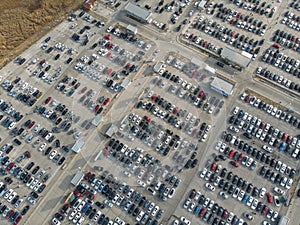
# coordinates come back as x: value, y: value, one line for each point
x: 239, y: 188
x: 286, y: 39
x: 276, y: 178
x: 129, y: 200
x: 257, y: 7
x: 282, y: 61
x: 210, y: 211
x: 278, y: 78
x: 227, y: 35
x: 291, y: 20
x: 274, y: 137
x: 248, y: 23
x: 269, y: 108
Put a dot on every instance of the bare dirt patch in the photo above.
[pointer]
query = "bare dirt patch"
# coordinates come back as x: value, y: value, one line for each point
x: 22, y: 22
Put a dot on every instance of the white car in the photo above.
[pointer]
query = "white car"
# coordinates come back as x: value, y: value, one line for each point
x: 235, y: 110
x: 155, y: 210
x: 186, y: 203
x: 289, y: 183
x: 250, y: 200
x: 203, y: 173
x: 223, y: 195
x: 254, y: 204
x: 210, y: 187
x: 278, y: 191
x: 262, y: 192
x: 73, y: 213
x: 241, y: 195
x: 218, y: 146
x: 42, y: 147
x: 141, y: 183
x: 185, y: 220
x: 140, y: 216
x: 52, y: 154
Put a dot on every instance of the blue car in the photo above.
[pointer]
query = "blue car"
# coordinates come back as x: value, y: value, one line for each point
x: 196, y: 210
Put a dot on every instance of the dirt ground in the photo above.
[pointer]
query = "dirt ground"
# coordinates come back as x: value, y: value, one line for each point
x: 22, y: 22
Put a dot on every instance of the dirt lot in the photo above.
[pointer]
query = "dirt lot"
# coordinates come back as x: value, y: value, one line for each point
x: 22, y: 22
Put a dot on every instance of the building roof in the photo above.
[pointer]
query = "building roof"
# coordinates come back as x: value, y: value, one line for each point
x: 138, y: 12
x: 235, y: 57
x: 222, y: 85
x: 158, y: 66
x: 97, y: 120
x: 126, y: 82
x: 111, y: 130
x: 77, y: 146
x: 132, y: 29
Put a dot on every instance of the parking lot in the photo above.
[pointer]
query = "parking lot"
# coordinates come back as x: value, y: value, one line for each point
x: 178, y: 151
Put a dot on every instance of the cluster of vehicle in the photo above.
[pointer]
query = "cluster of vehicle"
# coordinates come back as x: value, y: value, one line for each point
x: 127, y: 199
x: 210, y: 211
x: 294, y: 4
x: 171, y: 7
x: 130, y: 38
x: 203, y: 43
x: 291, y: 20
x: 226, y: 35
x: 236, y: 156
x: 68, y: 85
x: 282, y: 61
x: 95, y: 106
x: 278, y: 78
x: 257, y: 7
x: 78, y: 208
x: 269, y: 108
x: 22, y: 91
x: 10, y: 214
x: 42, y: 71
x: 8, y: 122
x: 239, y: 188
x: 275, y: 177
x: 246, y: 22
x: 263, y: 131
x: 189, y: 92
x: 286, y: 39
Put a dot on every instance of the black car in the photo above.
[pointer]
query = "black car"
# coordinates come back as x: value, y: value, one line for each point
x: 24, y: 210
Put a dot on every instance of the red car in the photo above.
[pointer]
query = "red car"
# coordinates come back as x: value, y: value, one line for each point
x: 270, y: 198
x: 64, y: 208
x: 230, y: 155
x: 284, y: 137
x: 31, y: 124
x: 241, y: 156
x: 192, y: 194
x: 96, y: 108
x: 83, y: 89
x: 107, y: 37
x: 238, y: 15
x: 201, y: 213
x: 10, y: 166
x: 27, y: 154
x: 127, y: 66
x: 106, y: 101
x: 201, y: 94
x: 247, y: 99
x: 9, y: 214
x: 225, y: 214
x: 262, y: 125
x: 235, y: 164
x: 277, y: 46
x: 213, y: 166
x: 17, y: 220
x: 48, y: 100
x: 153, y: 97
x: 87, y: 175
x: 175, y: 110
x: 264, y: 210
x: 147, y: 118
